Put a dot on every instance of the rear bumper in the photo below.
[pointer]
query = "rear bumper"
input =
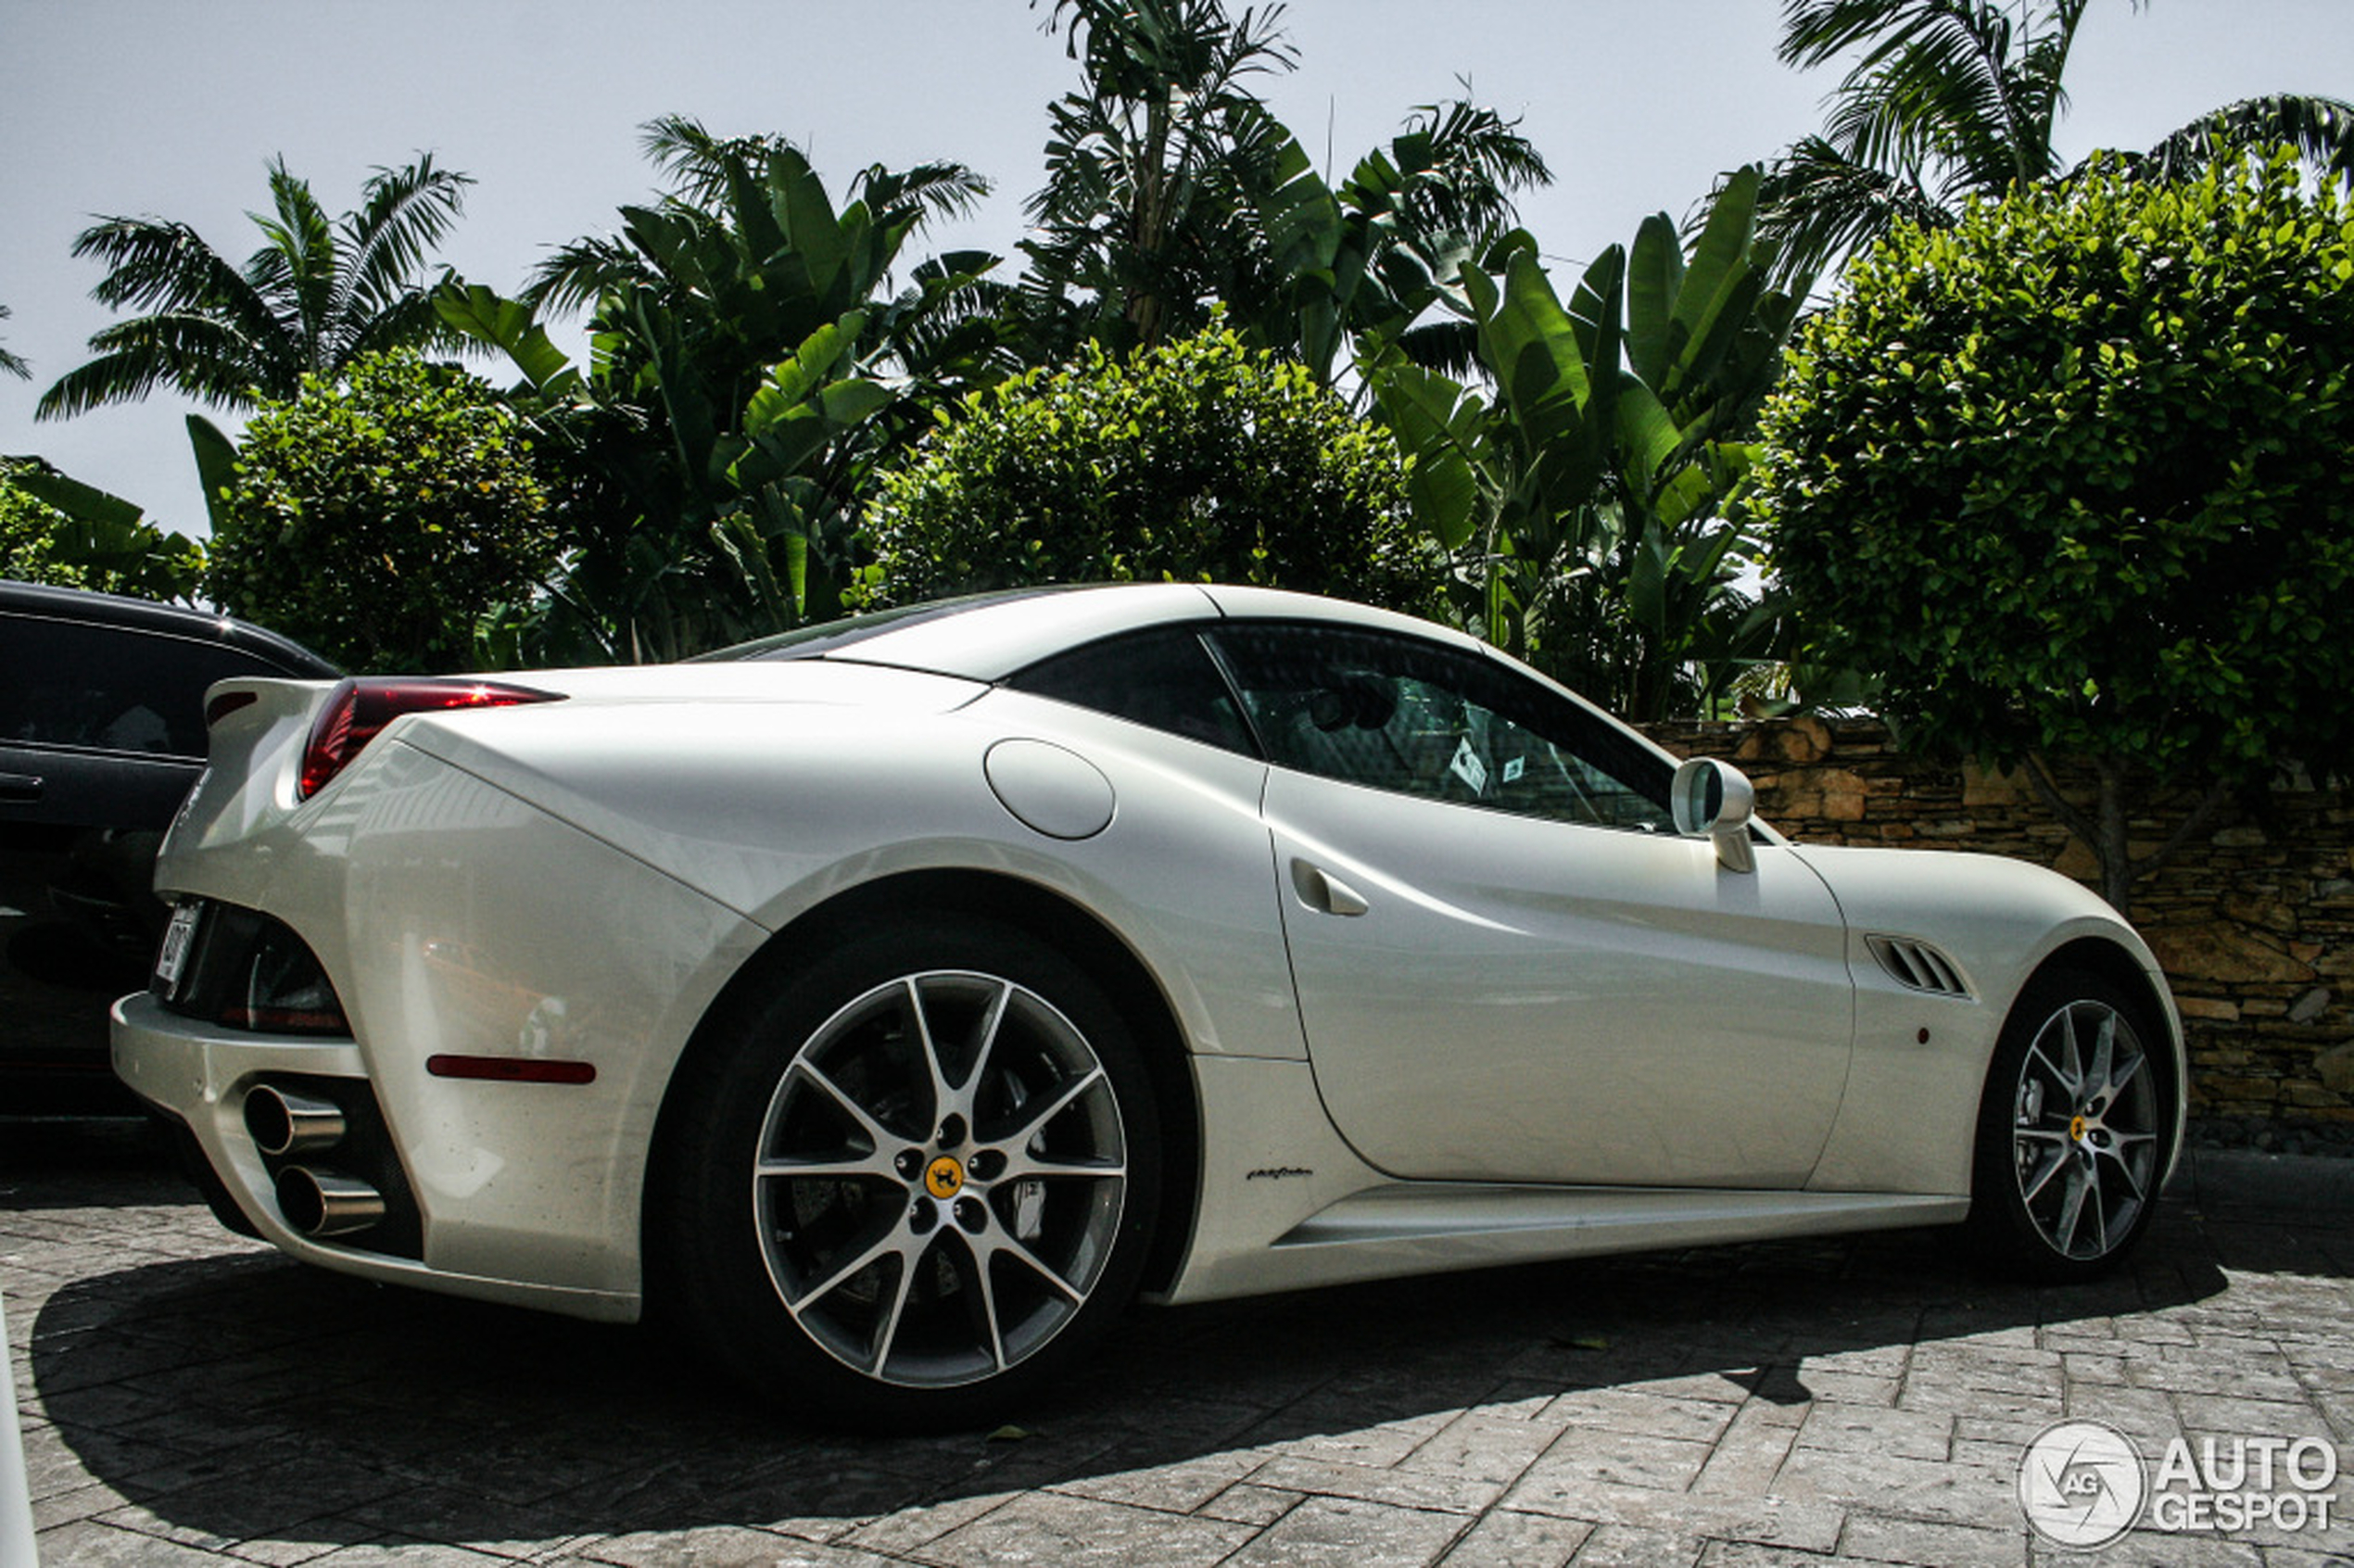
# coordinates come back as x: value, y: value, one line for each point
x: 199, y: 1075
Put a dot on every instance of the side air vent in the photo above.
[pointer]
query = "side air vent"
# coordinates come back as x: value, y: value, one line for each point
x: 1918, y: 966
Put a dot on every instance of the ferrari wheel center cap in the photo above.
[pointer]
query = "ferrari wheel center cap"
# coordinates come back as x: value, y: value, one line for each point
x: 943, y: 1178
x: 2076, y: 1130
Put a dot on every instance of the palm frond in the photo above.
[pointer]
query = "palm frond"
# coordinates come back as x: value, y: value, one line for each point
x: 2321, y: 129
x: 9, y: 363
x: 195, y: 354
x: 925, y: 191
x: 1815, y: 204
x: 298, y: 269
x: 574, y: 275
x: 402, y: 215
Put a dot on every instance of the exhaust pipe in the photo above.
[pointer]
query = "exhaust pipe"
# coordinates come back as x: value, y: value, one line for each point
x: 327, y: 1203
x: 283, y: 1122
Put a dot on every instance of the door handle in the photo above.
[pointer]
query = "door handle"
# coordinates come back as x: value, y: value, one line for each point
x: 19, y: 787
x: 1323, y: 893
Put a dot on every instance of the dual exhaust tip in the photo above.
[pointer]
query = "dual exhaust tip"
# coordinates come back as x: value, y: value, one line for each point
x: 314, y: 1200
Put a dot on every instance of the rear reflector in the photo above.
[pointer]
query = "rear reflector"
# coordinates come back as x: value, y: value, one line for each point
x: 511, y: 1070
x: 359, y: 709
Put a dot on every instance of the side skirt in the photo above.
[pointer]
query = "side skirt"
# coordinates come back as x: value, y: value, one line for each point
x: 1428, y: 1227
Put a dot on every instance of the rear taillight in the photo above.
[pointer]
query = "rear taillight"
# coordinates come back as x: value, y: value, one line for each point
x: 359, y: 709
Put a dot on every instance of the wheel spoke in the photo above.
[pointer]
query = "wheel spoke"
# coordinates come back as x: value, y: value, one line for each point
x: 2127, y: 1071
x: 1021, y: 1164
x: 2058, y: 1162
x: 981, y: 1301
x: 877, y: 1133
x: 1036, y: 1122
x: 2074, y: 1077
x: 884, y: 1246
x: 875, y: 1163
x: 2104, y: 1052
x: 1000, y: 1243
x: 2053, y: 1068
x: 943, y: 1097
x: 992, y: 1022
x: 2127, y: 1144
x: 2072, y: 1212
x: 886, y: 1327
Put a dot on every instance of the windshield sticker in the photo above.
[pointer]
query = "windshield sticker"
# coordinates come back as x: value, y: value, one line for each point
x: 1468, y: 767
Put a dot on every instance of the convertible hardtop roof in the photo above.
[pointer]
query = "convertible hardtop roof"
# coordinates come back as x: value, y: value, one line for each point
x: 988, y: 637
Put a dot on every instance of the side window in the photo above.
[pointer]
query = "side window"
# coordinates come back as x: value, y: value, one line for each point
x: 1420, y: 718
x: 1163, y: 677
x: 111, y: 688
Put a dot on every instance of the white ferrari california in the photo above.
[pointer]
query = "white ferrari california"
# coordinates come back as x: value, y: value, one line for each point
x: 889, y: 1003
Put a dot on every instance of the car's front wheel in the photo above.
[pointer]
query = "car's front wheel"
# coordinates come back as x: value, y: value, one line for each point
x: 910, y: 1180
x: 2074, y: 1129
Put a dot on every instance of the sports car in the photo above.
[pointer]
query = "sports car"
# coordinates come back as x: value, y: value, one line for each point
x: 889, y: 1003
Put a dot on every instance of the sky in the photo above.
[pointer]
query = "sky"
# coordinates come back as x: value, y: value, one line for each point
x: 174, y: 109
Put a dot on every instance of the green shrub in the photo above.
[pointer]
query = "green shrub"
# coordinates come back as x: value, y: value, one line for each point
x: 1200, y: 461
x: 2071, y: 476
x: 379, y: 521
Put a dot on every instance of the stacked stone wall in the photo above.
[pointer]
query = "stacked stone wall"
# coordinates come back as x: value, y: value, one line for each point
x: 2253, y: 918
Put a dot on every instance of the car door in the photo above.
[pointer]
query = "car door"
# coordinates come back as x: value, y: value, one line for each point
x: 1510, y: 966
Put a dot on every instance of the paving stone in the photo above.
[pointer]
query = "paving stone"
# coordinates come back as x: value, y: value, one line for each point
x: 1480, y: 1447
x: 1050, y: 1531
x: 1701, y: 1421
x: 1747, y: 1458
x: 88, y: 1544
x: 1349, y: 1533
x: 1507, y: 1540
x: 1852, y: 1429
x: 1878, y: 1538
x: 720, y: 1545
x: 397, y: 1553
x: 1406, y: 1489
x: 1247, y: 1502
x: 1624, y: 1545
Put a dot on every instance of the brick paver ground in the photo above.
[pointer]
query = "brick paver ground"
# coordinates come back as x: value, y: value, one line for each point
x: 192, y: 1398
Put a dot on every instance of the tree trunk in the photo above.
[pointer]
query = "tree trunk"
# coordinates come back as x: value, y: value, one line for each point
x: 2104, y: 831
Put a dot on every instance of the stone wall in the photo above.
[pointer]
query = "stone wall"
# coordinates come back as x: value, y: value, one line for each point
x: 2253, y: 920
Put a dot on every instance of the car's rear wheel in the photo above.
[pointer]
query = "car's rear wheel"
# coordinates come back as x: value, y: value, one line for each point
x: 2074, y: 1129
x: 907, y: 1181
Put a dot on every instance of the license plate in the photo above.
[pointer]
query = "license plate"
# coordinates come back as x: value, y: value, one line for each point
x: 178, y: 937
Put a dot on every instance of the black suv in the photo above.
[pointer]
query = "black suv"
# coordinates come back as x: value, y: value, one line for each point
x: 101, y: 731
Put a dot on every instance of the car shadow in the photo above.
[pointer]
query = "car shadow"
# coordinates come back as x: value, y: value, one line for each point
x: 241, y: 1396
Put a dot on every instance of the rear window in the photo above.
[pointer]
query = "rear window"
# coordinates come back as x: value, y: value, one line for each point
x: 833, y: 637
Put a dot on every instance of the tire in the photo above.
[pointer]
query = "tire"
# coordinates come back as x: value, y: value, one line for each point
x: 2075, y: 1130
x: 907, y: 1181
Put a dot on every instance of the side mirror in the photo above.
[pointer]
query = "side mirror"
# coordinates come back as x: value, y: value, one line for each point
x: 1711, y: 799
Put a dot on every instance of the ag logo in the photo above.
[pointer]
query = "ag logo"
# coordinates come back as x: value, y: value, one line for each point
x: 2081, y: 1483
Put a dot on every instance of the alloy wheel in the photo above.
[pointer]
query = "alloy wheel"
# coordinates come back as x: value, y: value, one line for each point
x: 2084, y: 1134
x: 940, y: 1179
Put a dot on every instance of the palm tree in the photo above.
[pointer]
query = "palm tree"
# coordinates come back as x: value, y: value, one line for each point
x: 1146, y: 216
x: 1949, y: 99
x: 319, y: 294
x: 1170, y: 190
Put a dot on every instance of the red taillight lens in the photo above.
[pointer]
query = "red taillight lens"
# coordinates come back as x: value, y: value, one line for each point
x: 359, y: 709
